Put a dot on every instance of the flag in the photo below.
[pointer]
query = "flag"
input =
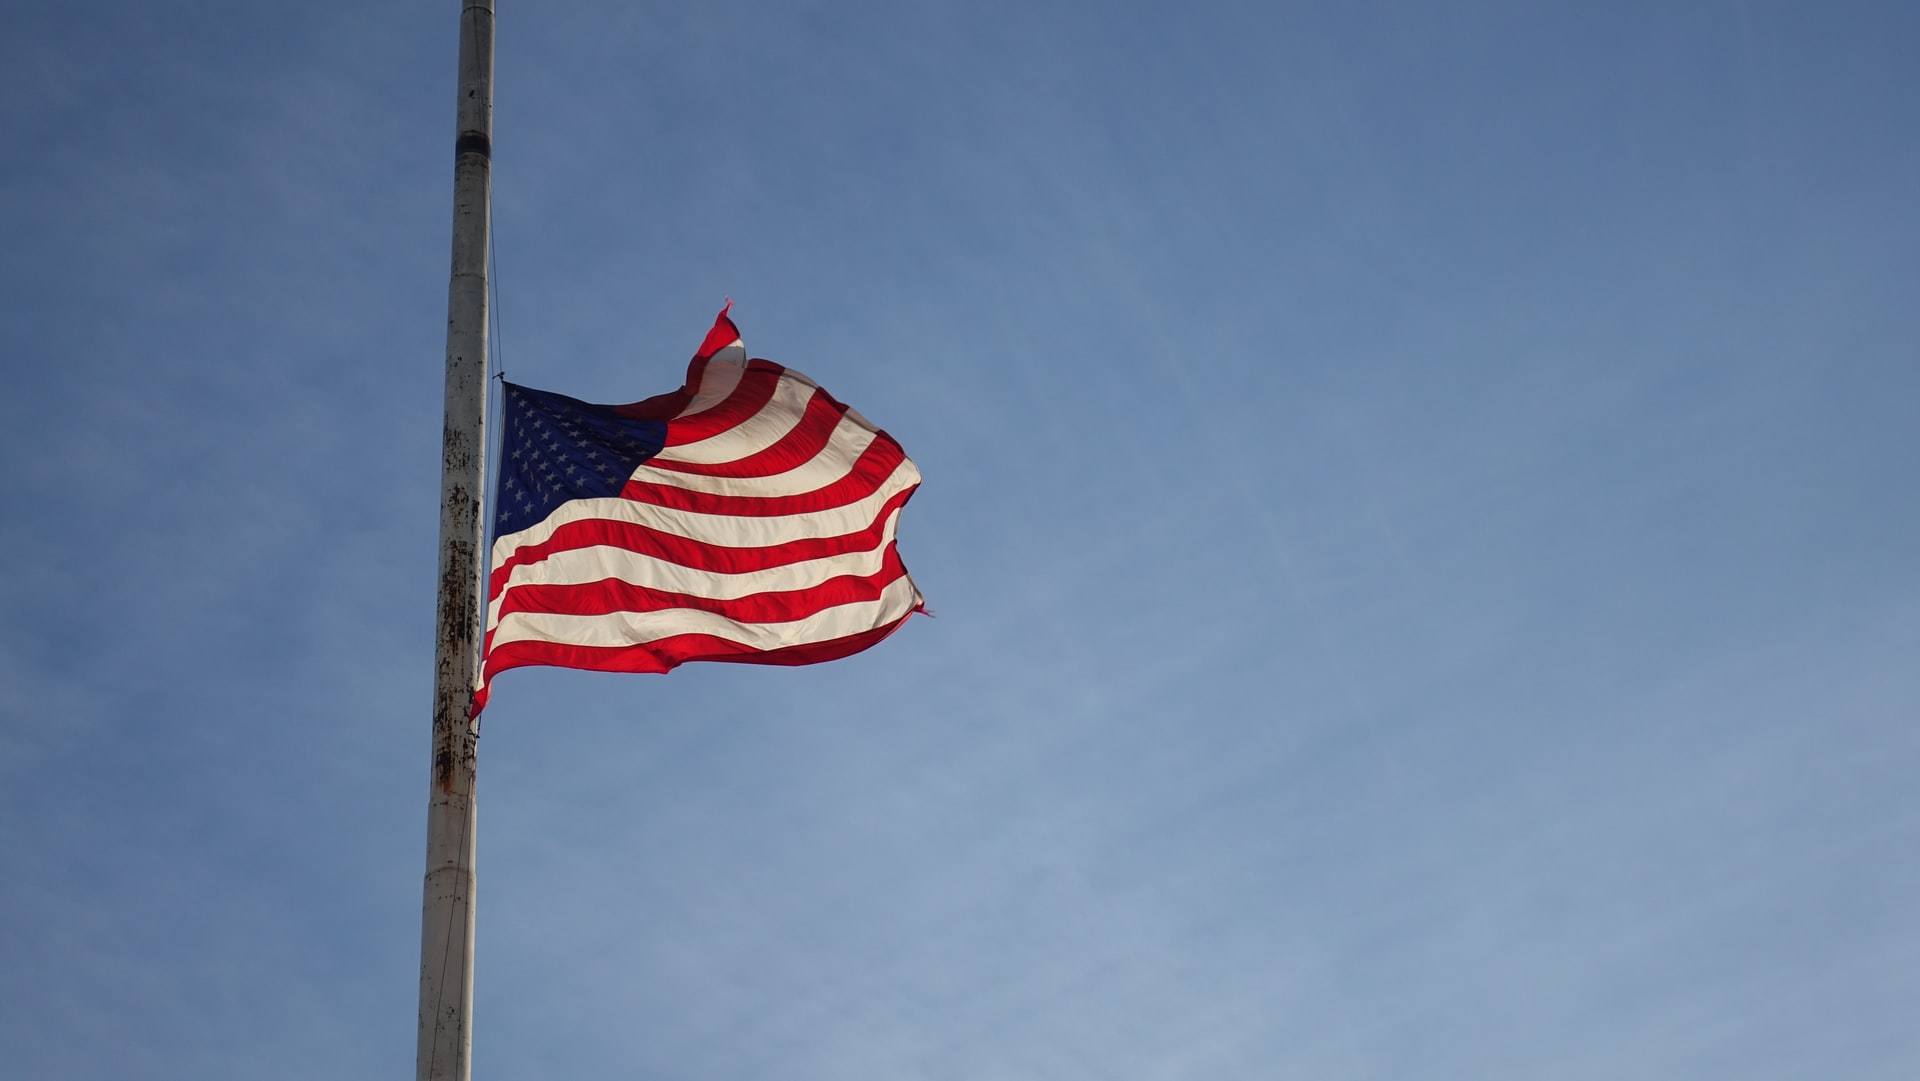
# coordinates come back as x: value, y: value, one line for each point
x: 746, y: 517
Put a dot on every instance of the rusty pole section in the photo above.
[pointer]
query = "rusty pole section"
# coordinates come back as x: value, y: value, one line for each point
x: 446, y: 920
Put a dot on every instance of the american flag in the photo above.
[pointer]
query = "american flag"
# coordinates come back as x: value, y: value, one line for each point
x: 746, y: 517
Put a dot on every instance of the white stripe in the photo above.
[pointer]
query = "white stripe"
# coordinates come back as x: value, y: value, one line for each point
x: 632, y: 628
x: 780, y: 415
x: 731, y: 531
x: 717, y: 380
x: 598, y: 563
x: 844, y: 447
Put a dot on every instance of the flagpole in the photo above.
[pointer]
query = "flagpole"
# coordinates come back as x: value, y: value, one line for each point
x: 446, y: 920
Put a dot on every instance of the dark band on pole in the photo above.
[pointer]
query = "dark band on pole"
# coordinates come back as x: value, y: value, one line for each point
x: 472, y: 142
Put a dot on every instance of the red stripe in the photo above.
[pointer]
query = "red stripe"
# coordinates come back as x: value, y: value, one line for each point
x: 869, y: 472
x: 663, y: 654
x: 613, y: 595
x: 756, y: 388
x: 805, y: 440
x: 669, y: 405
x: 691, y: 553
x: 723, y: 334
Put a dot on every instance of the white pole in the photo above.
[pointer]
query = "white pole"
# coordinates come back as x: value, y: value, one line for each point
x: 446, y: 920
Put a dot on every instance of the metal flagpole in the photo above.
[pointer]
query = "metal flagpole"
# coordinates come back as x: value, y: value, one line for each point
x: 446, y: 920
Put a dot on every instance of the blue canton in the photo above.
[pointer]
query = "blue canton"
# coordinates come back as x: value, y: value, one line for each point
x: 554, y: 448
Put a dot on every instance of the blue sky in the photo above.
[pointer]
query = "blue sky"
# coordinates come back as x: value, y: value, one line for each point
x: 1419, y: 513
